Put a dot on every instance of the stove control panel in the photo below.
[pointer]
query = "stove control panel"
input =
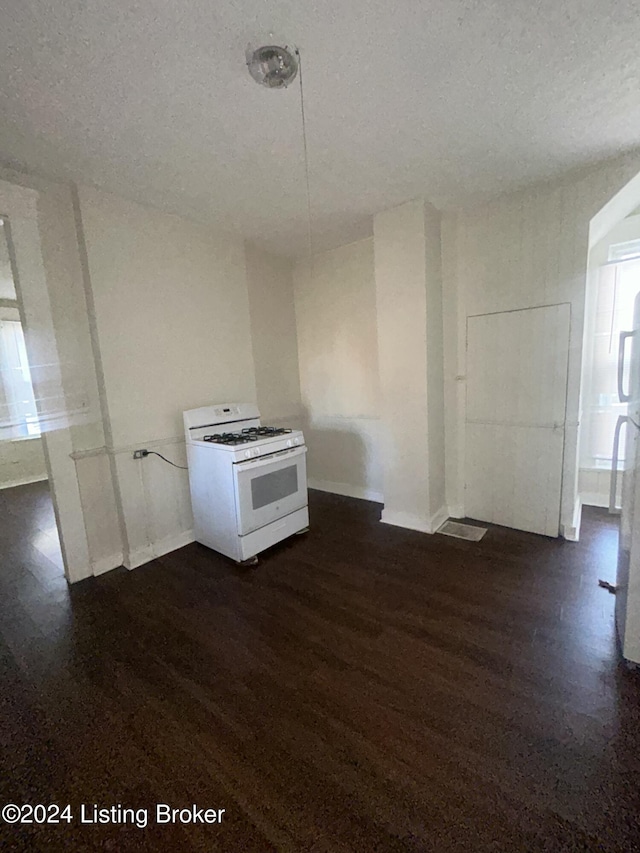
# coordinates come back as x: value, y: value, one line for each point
x: 224, y: 411
x: 254, y: 451
x: 292, y: 442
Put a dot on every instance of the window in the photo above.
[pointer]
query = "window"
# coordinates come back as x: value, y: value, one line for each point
x: 18, y: 413
x: 618, y: 284
x: 624, y: 251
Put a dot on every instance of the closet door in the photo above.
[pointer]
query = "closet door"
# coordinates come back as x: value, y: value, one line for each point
x: 515, y: 417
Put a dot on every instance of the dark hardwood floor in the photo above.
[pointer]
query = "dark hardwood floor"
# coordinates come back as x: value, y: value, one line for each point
x: 365, y: 688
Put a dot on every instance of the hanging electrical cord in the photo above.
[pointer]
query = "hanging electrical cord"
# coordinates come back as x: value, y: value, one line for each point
x: 145, y: 453
x: 306, y: 164
x: 275, y: 68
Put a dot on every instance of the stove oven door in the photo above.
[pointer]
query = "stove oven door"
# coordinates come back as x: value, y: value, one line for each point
x: 270, y: 487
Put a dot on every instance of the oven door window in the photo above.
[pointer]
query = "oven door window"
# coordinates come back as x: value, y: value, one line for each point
x: 266, y: 493
x: 268, y: 488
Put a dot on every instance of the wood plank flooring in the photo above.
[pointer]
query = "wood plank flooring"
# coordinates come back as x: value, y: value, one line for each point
x: 365, y: 688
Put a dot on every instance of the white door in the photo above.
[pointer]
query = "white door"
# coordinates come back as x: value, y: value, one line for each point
x: 515, y: 413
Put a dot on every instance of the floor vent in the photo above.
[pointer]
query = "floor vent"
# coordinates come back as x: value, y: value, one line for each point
x: 462, y: 531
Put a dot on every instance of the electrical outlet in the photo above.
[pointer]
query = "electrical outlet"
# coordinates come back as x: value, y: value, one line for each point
x: 140, y: 454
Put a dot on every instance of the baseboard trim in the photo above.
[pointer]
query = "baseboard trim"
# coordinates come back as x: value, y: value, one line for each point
x: 346, y: 489
x: 158, y: 549
x: 572, y: 532
x: 135, y: 559
x: 406, y: 520
x: 25, y: 481
x: 439, y: 518
x: 106, y: 564
x: 416, y: 522
x: 172, y: 543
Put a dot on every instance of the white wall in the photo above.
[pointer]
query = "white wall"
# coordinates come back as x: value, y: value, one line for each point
x: 338, y: 354
x: 169, y: 308
x: 273, y: 337
x: 594, y: 485
x: 522, y: 250
x: 21, y: 462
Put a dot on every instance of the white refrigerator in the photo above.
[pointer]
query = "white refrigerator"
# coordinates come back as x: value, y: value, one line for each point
x: 628, y: 573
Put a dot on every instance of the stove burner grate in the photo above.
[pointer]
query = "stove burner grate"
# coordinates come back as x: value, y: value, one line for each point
x: 229, y: 438
x: 266, y: 431
x: 247, y: 435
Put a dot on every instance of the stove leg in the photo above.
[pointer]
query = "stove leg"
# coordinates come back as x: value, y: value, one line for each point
x: 300, y: 532
x: 252, y: 561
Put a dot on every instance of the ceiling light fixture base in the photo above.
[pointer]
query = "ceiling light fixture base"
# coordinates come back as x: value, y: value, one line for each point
x: 272, y: 66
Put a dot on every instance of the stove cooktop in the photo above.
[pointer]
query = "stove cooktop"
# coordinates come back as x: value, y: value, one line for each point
x: 246, y: 436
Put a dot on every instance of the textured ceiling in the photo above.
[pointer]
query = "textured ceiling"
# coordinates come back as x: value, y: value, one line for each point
x: 448, y: 99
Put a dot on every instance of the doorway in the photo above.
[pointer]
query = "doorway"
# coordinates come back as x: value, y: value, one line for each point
x: 31, y: 351
x: 614, y: 281
x: 26, y: 507
x: 21, y: 453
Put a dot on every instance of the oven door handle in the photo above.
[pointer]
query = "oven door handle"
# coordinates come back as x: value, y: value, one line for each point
x: 264, y: 461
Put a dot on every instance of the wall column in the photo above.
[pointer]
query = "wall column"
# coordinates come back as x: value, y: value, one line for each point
x: 409, y: 322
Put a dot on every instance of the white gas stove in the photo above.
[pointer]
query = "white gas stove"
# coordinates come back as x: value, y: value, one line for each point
x: 248, y: 482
